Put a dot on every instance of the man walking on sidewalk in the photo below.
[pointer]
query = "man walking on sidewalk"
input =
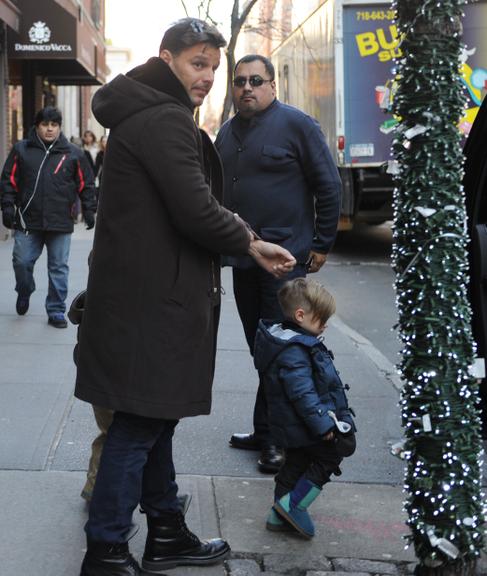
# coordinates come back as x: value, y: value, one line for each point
x: 281, y: 179
x: 147, y: 342
x: 39, y: 186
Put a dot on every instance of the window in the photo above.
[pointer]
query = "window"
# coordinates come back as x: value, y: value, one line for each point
x: 96, y: 12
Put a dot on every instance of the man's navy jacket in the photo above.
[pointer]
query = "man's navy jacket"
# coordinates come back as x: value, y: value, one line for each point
x: 281, y: 179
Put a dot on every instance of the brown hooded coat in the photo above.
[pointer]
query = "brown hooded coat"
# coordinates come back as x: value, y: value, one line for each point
x: 148, y: 337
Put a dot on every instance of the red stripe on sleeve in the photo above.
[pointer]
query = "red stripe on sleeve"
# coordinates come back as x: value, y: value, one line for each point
x: 81, y: 179
x: 12, y: 176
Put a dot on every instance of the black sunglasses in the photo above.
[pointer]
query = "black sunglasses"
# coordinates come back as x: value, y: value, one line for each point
x: 254, y: 81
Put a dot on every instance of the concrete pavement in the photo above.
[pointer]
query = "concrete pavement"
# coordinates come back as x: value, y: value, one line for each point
x: 360, y: 524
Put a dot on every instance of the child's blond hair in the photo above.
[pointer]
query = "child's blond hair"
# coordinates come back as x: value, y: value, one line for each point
x: 309, y: 295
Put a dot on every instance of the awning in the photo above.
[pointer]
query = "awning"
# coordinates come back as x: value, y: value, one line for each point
x: 64, y: 48
x: 10, y: 14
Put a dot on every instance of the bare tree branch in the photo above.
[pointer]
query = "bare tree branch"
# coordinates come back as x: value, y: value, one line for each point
x: 208, y: 17
x: 183, y: 3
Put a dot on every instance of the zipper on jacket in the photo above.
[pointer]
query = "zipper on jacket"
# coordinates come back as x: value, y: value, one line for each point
x: 213, y: 277
x: 22, y: 212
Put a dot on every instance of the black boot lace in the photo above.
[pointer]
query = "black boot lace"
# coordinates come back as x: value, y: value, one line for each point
x: 192, y: 538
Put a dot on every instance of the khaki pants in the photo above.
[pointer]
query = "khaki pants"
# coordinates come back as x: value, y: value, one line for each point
x: 103, y: 418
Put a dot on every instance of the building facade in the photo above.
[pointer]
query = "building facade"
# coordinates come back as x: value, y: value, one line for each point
x: 58, y: 43
x: 52, y: 52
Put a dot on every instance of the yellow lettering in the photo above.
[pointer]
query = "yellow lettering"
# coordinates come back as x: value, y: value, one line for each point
x: 394, y: 38
x: 367, y: 43
x: 384, y: 56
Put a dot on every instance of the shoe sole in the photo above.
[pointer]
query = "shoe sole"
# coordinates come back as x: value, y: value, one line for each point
x: 282, y: 528
x: 283, y: 513
x: 55, y: 325
x: 157, y: 567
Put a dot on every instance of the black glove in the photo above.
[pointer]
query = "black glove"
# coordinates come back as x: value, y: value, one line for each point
x: 8, y: 216
x: 89, y: 219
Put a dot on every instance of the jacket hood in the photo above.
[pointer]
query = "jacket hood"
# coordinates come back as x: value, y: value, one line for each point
x: 148, y: 85
x: 271, y: 339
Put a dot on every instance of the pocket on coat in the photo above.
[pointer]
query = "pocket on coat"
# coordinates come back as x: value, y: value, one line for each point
x: 276, y: 158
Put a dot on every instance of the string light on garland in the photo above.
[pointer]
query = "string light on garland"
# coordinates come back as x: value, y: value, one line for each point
x: 439, y: 400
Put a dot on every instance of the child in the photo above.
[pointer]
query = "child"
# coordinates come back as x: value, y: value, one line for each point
x: 307, y: 407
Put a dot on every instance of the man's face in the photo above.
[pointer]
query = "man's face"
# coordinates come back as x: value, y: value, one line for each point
x: 195, y: 68
x: 48, y: 131
x: 250, y: 99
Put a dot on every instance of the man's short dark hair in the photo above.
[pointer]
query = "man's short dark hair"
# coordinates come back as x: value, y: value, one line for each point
x: 269, y: 66
x: 49, y: 114
x: 188, y: 32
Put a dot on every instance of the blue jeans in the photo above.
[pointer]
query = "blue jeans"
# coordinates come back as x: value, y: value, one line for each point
x: 255, y: 293
x: 136, y: 466
x: 27, y: 249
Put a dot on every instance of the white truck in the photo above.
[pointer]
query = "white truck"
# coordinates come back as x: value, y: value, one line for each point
x: 338, y: 66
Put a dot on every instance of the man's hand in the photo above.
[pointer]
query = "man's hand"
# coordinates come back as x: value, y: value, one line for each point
x: 315, y: 261
x: 8, y: 216
x: 89, y: 219
x: 273, y: 258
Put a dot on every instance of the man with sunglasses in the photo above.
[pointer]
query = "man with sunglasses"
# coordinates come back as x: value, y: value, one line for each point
x: 281, y: 179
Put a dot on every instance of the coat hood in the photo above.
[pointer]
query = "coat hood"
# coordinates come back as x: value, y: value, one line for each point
x: 148, y: 85
x: 271, y: 339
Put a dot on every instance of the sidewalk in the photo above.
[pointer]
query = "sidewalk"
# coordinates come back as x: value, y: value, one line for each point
x: 360, y: 525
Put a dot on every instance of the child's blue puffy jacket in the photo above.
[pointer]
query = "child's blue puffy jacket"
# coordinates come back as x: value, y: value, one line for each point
x: 301, y: 385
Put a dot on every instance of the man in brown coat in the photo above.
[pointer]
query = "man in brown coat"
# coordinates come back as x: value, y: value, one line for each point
x: 148, y: 338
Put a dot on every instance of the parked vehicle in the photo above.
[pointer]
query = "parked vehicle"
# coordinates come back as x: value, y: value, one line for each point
x: 338, y: 66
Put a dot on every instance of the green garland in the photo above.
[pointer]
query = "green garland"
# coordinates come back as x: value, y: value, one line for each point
x: 439, y: 400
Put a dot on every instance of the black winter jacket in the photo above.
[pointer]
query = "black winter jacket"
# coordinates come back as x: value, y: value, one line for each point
x: 41, y: 183
x: 301, y: 385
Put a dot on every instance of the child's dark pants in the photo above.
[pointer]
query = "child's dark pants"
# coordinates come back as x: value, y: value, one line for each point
x: 316, y: 463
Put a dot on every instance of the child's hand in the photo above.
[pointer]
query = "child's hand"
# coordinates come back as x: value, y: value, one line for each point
x: 328, y: 437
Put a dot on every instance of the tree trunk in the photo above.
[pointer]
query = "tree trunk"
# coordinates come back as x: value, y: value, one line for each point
x: 228, y: 101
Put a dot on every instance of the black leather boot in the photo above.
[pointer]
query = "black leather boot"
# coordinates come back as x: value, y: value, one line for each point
x: 103, y: 559
x: 170, y: 543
